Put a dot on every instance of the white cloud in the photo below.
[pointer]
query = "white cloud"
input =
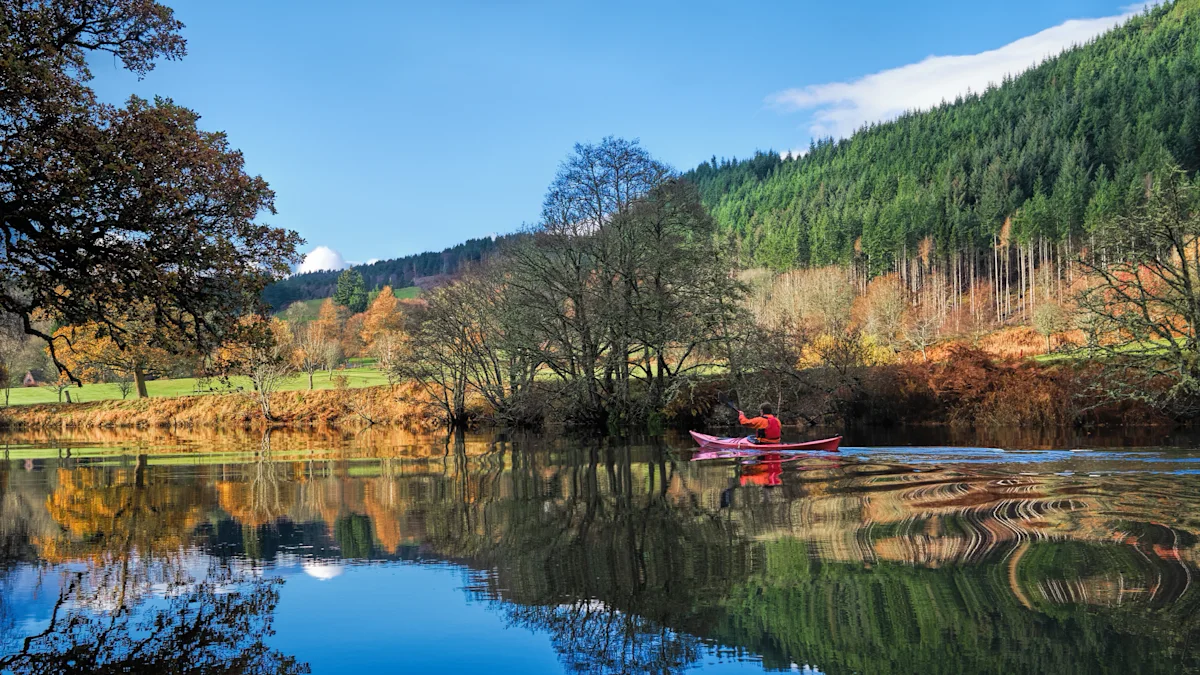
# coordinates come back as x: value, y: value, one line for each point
x: 322, y: 258
x: 841, y: 108
x: 796, y: 153
x: 1139, y: 7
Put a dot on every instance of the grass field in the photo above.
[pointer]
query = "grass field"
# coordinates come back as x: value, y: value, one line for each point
x: 358, y: 377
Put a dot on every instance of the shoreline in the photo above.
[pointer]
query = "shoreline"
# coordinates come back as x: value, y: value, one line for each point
x: 398, y: 406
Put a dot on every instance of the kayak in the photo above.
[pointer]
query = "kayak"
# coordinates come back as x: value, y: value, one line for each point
x: 743, y: 443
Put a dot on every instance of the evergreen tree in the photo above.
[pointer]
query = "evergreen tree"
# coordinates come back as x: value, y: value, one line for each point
x: 351, y: 291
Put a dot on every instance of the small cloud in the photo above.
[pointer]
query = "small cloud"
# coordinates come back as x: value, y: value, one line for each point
x: 794, y: 153
x: 841, y: 108
x: 1139, y: 7
x: 322, y: 258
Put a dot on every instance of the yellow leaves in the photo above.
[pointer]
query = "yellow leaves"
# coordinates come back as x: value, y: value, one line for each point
x: 327, y: 323
x: 382, y: 316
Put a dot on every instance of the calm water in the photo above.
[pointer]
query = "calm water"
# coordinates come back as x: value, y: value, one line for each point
x: 381, y: 552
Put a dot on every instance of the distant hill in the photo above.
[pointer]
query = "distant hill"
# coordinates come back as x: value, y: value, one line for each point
x: 309, y: 310
x: 397, y: 272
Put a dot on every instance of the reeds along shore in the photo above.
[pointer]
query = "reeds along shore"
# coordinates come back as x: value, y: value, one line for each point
x: 401, y: 405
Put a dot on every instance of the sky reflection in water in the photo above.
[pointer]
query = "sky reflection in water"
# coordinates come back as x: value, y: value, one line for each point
x: 336, y: 554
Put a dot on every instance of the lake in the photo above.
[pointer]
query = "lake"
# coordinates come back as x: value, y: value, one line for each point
x: 909, y: 552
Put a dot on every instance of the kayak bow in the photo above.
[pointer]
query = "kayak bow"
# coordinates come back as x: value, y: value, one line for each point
x: 742, y: 443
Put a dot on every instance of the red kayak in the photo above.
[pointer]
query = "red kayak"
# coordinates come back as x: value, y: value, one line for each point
x: 743, y: 443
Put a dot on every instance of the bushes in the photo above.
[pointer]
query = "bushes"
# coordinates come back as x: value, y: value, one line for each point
x: 969, y: 387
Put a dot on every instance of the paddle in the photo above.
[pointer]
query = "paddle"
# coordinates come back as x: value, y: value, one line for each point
x: 721, y: 397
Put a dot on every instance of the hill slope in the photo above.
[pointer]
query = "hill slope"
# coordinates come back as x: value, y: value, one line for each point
x: 396, y: 272
x: 1061, y: 145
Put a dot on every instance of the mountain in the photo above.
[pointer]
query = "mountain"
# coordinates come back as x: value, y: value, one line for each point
x: 1047, y: 153
x: 396, y: 272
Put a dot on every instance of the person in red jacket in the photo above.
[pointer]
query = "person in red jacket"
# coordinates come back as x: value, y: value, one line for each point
x: 766, y: 423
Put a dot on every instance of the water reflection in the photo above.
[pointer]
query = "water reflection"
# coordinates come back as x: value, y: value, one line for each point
x: 147, y: 617
x: 629, y: 557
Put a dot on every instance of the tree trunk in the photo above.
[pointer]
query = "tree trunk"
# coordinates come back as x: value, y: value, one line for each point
x: 310, y: 380
x: 139, y: 381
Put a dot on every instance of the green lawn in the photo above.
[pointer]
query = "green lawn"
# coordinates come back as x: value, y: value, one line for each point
x: 358, y: 377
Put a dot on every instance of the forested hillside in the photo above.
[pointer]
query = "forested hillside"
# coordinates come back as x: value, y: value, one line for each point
x: 397, y: 272
x: 999, y: 188
x: 991, y: 196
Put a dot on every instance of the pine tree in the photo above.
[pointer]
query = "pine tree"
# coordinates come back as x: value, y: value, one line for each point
x: 351, y: 291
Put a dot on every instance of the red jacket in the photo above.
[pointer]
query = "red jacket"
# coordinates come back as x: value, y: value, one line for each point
x: 768, y: 426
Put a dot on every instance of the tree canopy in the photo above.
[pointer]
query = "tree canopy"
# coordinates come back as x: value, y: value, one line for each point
x: 103, y: 207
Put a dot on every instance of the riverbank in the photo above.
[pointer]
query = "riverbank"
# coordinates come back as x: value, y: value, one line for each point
x: 968, y: 388
x: 401, y: 405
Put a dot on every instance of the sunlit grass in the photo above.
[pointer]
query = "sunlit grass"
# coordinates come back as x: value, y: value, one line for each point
x: 190, y: 386
x: 1083, y: 353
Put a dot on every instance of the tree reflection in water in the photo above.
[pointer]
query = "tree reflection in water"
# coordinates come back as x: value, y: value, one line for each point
x: 633, y: 559
x: 213, y: 625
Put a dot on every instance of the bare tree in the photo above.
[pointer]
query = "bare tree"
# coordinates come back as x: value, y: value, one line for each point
x: 386, y: 348
x: 124, y: 386
x: 472, y: 336
x: 1145, y: 273
x: 1050, y: 319
x: 269, y: 362
x: 58, y: 385
x: 887, y: 310
x: 331, y: 356
x: 622, y: 285
x: 311, y: 348
x: 923, y: 330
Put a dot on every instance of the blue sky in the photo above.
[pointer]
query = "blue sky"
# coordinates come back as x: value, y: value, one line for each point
x: 388, y: 128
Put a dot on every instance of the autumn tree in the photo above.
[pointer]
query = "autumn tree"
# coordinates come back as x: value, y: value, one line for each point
x: 58, y: 383
x: 103, y: 207
x: 92, y: 353
x: 262, y: 350
x: 923, y: 330
x: 381, y: 328
x: 329, y: 326
x: 350, y: 340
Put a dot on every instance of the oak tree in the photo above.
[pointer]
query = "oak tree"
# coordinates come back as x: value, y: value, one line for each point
x: 102, y: 206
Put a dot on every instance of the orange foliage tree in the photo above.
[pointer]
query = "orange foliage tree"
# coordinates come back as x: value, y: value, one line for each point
x: 381, y: 328
x: 91, y: 352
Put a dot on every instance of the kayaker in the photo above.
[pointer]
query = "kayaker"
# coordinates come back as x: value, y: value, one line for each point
x: 767, y: 425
